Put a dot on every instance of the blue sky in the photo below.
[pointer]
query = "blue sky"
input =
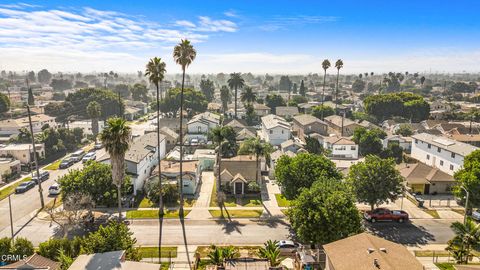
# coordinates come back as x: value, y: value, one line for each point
x: 246, y: 36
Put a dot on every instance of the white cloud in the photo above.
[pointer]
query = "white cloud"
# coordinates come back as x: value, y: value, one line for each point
x: 185, y: 23
x: 230, y: 13
x: 283, y: 22
x: 206, y: 24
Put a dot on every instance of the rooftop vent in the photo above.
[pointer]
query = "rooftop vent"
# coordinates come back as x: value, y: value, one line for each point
x: 383, y: 250
x: 370, y: 250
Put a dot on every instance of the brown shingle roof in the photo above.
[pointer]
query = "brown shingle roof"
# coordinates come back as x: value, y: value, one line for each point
x: 34, y: 261
x: 421, y: 173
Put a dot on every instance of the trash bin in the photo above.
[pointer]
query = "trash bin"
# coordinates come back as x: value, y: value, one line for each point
x: 420, y: 202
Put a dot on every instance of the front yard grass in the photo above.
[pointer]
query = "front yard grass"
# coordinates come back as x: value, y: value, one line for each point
x: 53, y: 166
x: 237, y: 213
x: 432, y: 213
x: 282, y: 201
x: 11, y: 189
x: 152, y: 214
x: 460, y: 211
x: 250, y: 250
x: 437, y: 253
x: 146, y: 203
x: 152, y: 252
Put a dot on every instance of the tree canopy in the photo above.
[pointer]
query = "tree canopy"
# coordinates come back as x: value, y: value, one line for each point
x: 139, y: 92
x: 273, y: 101
x: 469, y: 178
x: 208, y: 89
x: 403, y: 104
x: 369, y: 140
x: 194, y: 101
x: 327, y: 111
x: 4, y: 103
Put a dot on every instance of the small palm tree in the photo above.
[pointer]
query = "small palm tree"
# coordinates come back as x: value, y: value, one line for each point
x: 325, y: 65
x: 225, y: 97
x: 235, y: 82
x: 466, y: 240
x: 259, y: 149
x: 270, y: 251
x: 338, y: 65
x: 94, y: 110
x: 184, y: 54
x: 116, y: 138
x: 248, y: 96
x: 215, y: 255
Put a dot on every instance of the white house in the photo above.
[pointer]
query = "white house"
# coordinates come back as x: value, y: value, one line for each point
x: 439, y: 152
x: 275, y: 129
x: 141, y: 158
x: 11, y: 127
x: 341, y: 147
x: 404, y: 142
x: 199, y: 126
x: 86, y: 126
x: 22, y: 152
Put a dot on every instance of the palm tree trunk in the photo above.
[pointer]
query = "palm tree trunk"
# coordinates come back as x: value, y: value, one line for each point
x: 235, y: 102
x: 256, y: 174
x: 180, y: 212
x: 119, y: 200
x: 336, y: 92
x: 160, y: 195
x: 323, y: 90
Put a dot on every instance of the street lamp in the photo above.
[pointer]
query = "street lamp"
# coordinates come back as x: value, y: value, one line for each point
x: 466, y: 204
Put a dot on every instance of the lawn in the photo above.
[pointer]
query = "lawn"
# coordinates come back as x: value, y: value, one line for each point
x: 152, y: 214
x: 282, y: 201
x: 237, y: 213
x: 152, y: 252
x: 146, y: 203
x: 11, y: 189
x: 437, y: 253
x: 53, y: 166
x: 445, y: 266
x: 213, y: 197
x: 460, y: 211
x: 432, y: 213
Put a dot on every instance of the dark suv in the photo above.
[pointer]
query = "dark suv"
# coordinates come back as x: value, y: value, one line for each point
x: 43, y: 177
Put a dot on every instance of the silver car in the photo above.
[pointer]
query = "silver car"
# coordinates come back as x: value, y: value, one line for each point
x: 476, y: 215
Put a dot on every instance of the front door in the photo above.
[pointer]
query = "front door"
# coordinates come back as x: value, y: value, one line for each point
x: 427, y: 189
x: 238, y: 187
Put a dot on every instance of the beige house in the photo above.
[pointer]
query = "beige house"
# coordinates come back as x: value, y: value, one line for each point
x: 237, y: 172
x: 11, y: 127
x: 424, y: 179
x: 22, y: 152
x: 171, y: 137
x: 307, y: 124
x: 8, y: 166
x: 341, y: 125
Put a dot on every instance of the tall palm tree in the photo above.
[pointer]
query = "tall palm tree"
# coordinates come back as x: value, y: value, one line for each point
x: 216, y: 136
x: 248, y: 96
x: 325, y: 65
x: 116, y: 137
x: 236, y: 81
x: 466, y: 240
x: 94, y: 110
x: 259, y: 149
x: 338, y: 65
x: 225, y: 97
x: 184, y: 54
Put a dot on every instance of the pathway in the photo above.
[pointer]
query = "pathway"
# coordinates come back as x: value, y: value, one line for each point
x: 269, y: 200
x: 199, y: 210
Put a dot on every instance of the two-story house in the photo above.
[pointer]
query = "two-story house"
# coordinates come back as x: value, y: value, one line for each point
x: 439, y: 152
x: 200, y: 124
x: 275, y: 129
x: 10, y: 127
x: 340, y: 147
x: 342, y: 125
x: 22, y: 152
x: 306, y: 124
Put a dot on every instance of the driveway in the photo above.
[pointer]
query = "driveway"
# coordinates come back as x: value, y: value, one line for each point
x: 200, y: 208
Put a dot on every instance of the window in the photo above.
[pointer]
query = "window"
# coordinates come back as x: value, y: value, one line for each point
x: 428, y: 157
x: 416, y: 141
x: 441, y: 162
x: 429, y: 146
x: 451, y: 167
x: 353, y: 148
x: 282, y: 131
x: 271, y: 131
x: 439, y: 150
x: 453, y: 155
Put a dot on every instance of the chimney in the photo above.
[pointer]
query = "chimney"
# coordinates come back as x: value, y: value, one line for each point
x: 376, y: 263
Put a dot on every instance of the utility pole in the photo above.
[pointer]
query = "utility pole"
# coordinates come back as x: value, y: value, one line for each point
x: 11, y: 219
x: 40, y: 190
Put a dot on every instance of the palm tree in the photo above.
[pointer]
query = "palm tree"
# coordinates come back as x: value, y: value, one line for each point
x: 338, y: 65
x: 325, y: 65
x: 466, y: 240
x: 116, y: 138
x: 94, y: 110
x: 217, y: 138
x: 270, y: 251
x: 248, y: 96
x: 259, y: 149
x: 236, y: 81
x: 225, y: 97
x: 184, y: 54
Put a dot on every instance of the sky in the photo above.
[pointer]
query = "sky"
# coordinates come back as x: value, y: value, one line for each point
x: 276, y: 37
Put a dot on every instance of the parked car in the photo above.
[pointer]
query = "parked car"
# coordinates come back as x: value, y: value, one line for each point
x: 77, y: 156
x: 383, y: 214
x: 43, y: 177
x: 98, y: 146
x: 66, y: 163
x: 476, y: 215
x: 89, y: 156
x: 25, y: 186
x: 54, y: 189
x: 287, y: 247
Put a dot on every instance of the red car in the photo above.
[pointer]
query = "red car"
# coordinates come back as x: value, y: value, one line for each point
x: 383, y: 214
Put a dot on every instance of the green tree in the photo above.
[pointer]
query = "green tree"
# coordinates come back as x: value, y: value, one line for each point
x: 338, y: 66
x: 44, y: 76
x: 248, y: 96
x: 302, y: 91
x: 52, y: 247
x: 94, y: 112
x: 184, y: 54
x: 114, y: 236
x: 322, y: 111
x: 235, y: 82
x: 313, y: 146
x: 270, y: 251
x: 273, y: 101
x: 139, y: 92
x: 4, y: 103
x: 123, y: 90
x: 465, y: 242
x: 325, y: 65
x: 301, y: 171
x: 193, y: 101
x: 258, y: 148
x: 296, y: 100
x: 468, y: 177
x: 416, y: 110
x: 225, y: 97
x: 375, y: 180
x: 116, y: 138
x: 369, y: 140
x: 61, y: 84
x: 250, y: 114
x: 22, y: 247
x: 31, y: 98
x: 404, y: 130
x: 208, y: 89
x: 218, y: 255
x: 358, y: 85
x: 78, y: 101
x: 5, y: 245
x: 324, y: 213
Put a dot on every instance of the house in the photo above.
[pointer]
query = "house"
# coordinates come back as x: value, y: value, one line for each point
x: 275, y: 129
x: 404, y: 142
x: 9, y: 167
x: 273, y: 161
x: 206, y: 158
x: 141, y: 158
x: 23, y: 152
x: 10, y: 127
x: 308, y: 107
x: 286, y: 112
x: 173, y: 124
x: 200, y: 124
x: 241, y: 128
x: 366, y: 252
x: 341, y: 147
x: 237, y: 172
x: 261, y: 109
x: 113, y: 260
x: 171, y: 137
x: 34, y: 261
x: 341, y: 125
x: 191, y: 174
x: 424, y: 179
x: 86, y: 126
x: 306, y: 124
x: 445, y: 154
x: 291, y: 145
x: 472, y: 139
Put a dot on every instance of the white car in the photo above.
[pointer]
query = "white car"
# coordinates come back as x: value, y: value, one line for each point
x: 54, y: 190
x: 476, y: 215
x: 287, y: 247
x: 89, y: 156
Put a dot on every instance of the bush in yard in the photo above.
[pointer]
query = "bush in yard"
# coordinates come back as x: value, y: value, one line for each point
x: 169, y: 191
x: 22, y: 247
x: 51, y: 248
x: 253, y: 187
